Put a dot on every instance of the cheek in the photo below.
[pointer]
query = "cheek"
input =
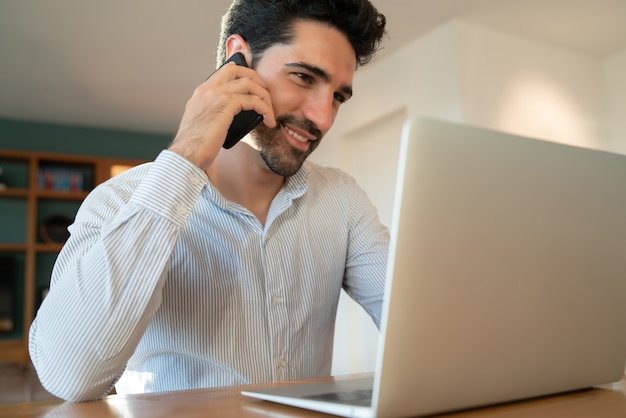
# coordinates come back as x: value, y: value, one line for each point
x: 286, y: 98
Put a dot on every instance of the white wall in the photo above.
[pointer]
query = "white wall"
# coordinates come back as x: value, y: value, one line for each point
x: 466, y: 73
x: 615, y: 90
x: 528, y: 88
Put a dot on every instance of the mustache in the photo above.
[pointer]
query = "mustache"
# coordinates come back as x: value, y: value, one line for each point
x: 303, y: 124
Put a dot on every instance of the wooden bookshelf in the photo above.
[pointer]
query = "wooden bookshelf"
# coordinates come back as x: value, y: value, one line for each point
x: 33, y: 187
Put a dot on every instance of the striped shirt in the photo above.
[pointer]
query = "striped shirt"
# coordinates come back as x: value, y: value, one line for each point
x: 166, y: 285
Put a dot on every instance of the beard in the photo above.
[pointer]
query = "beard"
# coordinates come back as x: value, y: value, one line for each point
x: 280, y: 157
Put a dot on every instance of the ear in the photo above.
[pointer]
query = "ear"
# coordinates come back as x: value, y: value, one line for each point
x: 236, y: 43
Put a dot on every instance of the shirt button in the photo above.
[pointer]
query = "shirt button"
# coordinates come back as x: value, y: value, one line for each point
x: 181, y: 210
x: 277, y: 300
x: 282, y: 364
x: 196, y: 181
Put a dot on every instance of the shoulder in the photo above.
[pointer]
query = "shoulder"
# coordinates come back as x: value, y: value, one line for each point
x: 334, y: 186
x: 329, y: 177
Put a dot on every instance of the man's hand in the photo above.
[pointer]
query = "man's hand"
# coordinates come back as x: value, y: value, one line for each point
x: 212, y: 107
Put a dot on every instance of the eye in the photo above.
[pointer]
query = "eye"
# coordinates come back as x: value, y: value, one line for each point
x: 341, y: 98
x: 305, y: 78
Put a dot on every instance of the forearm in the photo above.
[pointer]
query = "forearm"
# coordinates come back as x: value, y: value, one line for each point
x: 106, y: 287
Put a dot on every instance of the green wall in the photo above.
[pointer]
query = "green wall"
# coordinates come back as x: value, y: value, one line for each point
x: 66, y: 139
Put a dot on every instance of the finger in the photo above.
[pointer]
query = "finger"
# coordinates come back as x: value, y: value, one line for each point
x: 232, y: 71
x: 243, y: 89
x: 255, y: 103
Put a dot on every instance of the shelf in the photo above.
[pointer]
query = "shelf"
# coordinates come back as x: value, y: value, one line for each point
x: 48, y: 248
x: 61, y: 195
x: 39, y: 186
x: 14, y: 193
x: 8, y: 247
x: 14, y: 349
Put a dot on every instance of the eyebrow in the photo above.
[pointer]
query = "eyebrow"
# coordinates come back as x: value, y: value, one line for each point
x: 347, y: 90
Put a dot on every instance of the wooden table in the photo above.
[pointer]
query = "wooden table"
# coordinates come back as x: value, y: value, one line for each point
x: 606, y: 402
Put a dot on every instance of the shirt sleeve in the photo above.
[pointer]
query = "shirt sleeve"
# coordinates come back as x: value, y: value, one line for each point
x: 368, y: 246
x: 106, y: 284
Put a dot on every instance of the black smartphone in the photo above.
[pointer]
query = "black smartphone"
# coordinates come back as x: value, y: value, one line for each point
x: 246, y: 120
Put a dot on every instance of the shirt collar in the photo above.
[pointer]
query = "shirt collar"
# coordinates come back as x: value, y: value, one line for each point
x: 294, y: 187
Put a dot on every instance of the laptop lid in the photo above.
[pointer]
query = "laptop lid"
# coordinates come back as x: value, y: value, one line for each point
x: 506, y: 271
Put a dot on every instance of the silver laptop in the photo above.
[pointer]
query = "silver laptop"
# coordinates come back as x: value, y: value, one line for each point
x: 507, y: 277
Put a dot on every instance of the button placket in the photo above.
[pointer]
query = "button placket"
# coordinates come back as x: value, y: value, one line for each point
x: 276, y: 311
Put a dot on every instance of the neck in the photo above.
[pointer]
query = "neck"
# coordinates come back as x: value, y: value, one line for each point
x: 241, y: 176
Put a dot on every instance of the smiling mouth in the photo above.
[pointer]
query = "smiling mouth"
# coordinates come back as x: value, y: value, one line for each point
x: 296, y: 135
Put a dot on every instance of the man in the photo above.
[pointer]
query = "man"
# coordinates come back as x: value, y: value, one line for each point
x: 214, y: 266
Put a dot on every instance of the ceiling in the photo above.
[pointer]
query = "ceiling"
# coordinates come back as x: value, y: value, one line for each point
x: 132, y: 64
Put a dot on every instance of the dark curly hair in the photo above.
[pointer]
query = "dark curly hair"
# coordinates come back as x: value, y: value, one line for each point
x: 263, y: 23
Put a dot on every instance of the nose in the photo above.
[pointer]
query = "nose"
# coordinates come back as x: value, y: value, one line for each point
x: 319, y: 109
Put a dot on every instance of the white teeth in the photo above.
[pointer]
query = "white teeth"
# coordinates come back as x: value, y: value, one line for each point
x: 296, y: 135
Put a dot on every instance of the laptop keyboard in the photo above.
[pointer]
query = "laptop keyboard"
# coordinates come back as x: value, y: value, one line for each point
x: 361, y: 397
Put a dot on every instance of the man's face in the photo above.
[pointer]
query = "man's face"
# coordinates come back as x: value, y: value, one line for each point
x: 308, y: 81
